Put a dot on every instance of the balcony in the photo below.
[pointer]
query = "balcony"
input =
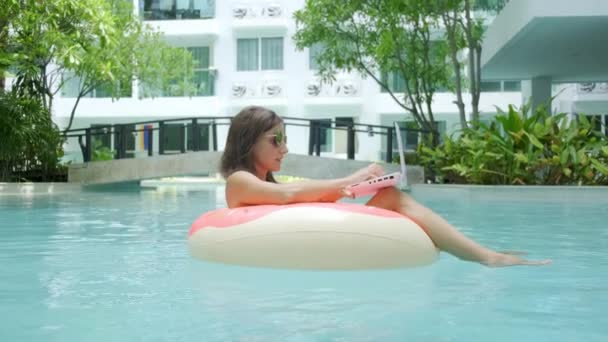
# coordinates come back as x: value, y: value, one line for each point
x: 264, y: 88
x: 560, y: 39
x: 202, y: 85
x: 592, y: 88
x: 590, y: 98
x: 177, y: 9
x: 344, y: 92
x: 341, y: 88
x: 269, y: 17
x: 270, y: 88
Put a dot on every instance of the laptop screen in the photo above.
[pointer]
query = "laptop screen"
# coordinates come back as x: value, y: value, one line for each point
x: 401, y: 155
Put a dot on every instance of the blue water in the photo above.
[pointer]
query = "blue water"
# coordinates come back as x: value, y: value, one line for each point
x: 110, y: 265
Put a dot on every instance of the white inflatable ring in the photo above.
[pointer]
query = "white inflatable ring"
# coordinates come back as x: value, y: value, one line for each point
x: 323, y: 236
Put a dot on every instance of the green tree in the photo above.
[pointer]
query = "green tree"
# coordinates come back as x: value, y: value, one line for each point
x: 30, y: 143
x: 7, y: 11
x: 375, y: 37
x: 97, y: 42
x: 464, y: 32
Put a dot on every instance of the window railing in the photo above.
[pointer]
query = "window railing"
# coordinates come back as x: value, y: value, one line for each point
x: 202, y: 84
x: 177, y: 9
x: 492, y: 6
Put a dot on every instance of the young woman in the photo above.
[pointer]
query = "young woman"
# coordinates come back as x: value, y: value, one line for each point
x: 254, y: 149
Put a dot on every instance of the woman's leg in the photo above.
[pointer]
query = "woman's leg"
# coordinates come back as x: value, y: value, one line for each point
x: 444, y: 235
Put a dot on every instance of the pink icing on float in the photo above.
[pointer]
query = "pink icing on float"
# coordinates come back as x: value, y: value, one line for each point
x: 311, y: 236
x: 229, y: 217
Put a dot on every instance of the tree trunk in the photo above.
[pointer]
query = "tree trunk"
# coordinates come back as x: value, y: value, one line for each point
x: 477, y: 93
x: 3, y: 47
x: 82, y: 93
x: 474, y: 65
x: 450, y: 29
x: 65, y: 131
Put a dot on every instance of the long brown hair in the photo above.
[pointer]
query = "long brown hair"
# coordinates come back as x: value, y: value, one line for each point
x: 245, y: 129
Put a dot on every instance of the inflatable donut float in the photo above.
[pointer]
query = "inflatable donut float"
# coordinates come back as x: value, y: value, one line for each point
x: 321, y: 236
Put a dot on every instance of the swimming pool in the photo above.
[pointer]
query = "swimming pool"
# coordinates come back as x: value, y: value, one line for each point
x: 112, y: 264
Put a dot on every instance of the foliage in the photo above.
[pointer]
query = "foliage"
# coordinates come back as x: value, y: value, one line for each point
x: 98, y: 43
x: 463, y: 33
x: 521, y: 149
x: 375, y: 37
x: 492, y: 6
x: 463, y: 29
x: 101, y: 152
x: 95, y: 43
x: 7, y: 11
x: 30, y: 143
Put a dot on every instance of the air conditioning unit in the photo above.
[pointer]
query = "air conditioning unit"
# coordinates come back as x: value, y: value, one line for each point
x: 239, y: 90
x: 239, y: 12
x: 586, y: 87
x: 313, y: 89
x: 272, y: 11
x: 349, y: 88
x: 272, y: 89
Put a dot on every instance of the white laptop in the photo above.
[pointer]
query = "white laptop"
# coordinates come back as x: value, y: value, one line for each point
x: 394, y: 179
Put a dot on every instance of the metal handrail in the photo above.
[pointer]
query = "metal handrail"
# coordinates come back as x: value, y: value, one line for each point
x: 122, y: 130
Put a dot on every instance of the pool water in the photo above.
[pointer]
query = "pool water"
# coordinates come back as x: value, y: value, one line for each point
x: 113, y: 265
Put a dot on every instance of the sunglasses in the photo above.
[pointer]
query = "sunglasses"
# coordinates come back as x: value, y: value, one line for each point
x: 278, y: 138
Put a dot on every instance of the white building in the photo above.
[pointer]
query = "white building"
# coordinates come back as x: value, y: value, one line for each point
x: 248, y: 57
x: 558, y: 48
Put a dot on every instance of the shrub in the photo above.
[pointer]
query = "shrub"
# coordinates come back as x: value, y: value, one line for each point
x: 521, y: 149
x: 30, y: 143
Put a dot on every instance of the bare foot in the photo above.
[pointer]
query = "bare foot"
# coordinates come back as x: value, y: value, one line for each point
x: 502, y: 260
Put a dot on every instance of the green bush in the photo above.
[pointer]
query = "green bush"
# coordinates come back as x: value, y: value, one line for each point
x: 30, y: 143
x: 101, y: 152
x: 517, y: 149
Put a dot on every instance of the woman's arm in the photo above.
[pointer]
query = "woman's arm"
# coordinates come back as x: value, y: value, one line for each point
x: 243, y: 188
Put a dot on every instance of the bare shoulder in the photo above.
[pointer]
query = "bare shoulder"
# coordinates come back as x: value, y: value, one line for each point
x: 241, y: 178
x: 237, y: 185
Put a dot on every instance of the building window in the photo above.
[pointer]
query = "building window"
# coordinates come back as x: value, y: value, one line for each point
x: 177, y: 9
x: 596, y: 122
x: 394, y: 81
x: 500, y: 86
x: 201, y: 84
x: 247, y: 54
x: 73, y: 85
x: 313, y: 52
x: 491, y: 86
x: 250, y: 57
x: 204, y: 80
x: 511, y: 86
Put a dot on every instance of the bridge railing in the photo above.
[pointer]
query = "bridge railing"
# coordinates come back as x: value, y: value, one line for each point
x: 338, y: 137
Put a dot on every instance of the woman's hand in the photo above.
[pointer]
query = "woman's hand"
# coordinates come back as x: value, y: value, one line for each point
x: 368, y: 172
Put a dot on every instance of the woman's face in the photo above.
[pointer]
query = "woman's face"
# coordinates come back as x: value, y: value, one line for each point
x: 269, y: 150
